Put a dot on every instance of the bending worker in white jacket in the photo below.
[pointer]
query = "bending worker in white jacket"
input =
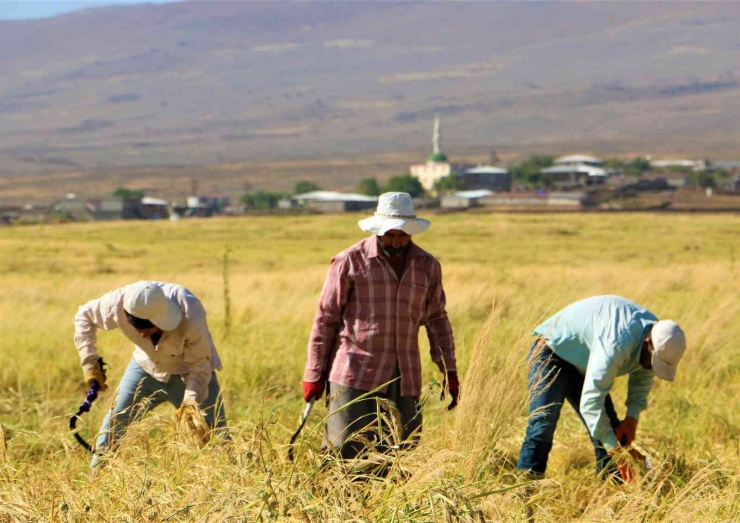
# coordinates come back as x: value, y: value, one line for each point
x: 578, y: 354
x: 174, y: 357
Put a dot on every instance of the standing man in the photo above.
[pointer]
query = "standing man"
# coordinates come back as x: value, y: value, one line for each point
x: 577, y: 356
x: 174, y: 356
x: 377, y: 295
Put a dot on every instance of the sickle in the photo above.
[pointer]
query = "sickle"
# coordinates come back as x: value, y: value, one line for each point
x: 306, y: 413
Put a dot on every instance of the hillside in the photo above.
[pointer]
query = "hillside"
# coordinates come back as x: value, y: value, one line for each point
x: 200, y: 83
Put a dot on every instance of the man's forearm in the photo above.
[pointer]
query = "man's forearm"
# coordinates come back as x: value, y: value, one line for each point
x: 442, y: 344
x: 319, y: 348
x: 93, y: 315
x: 640, y: 383
x: 85, y: 339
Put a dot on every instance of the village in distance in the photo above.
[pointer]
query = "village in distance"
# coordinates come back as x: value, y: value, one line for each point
x: 537, y: 183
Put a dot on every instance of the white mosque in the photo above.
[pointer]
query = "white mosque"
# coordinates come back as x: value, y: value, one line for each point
x: 473, y: 177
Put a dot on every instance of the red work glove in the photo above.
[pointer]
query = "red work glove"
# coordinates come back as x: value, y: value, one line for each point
x: 312, y: 390
x: 626, y: 463
x: 626, y: 431
x: 451, y: 383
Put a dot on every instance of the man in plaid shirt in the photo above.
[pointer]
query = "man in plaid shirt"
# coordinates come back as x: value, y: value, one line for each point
x: 376, y: 296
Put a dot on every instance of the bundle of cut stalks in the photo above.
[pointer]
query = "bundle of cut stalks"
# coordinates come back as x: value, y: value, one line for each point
x: 191, y: 423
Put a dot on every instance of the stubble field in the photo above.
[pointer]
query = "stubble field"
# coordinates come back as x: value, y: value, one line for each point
x: 502, y: 274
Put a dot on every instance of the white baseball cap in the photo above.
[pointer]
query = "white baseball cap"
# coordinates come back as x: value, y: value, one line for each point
x: 395, y: 211
x: 146, y: 300
x: 669, y: 344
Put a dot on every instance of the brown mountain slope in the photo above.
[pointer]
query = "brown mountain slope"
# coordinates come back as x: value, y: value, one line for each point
x: 227, y: 82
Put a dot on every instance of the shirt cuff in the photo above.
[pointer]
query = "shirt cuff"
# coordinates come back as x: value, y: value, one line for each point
x: 89, y: 360
x: 634, y: 411
x: 311, y: 376
x: 195, y: 389
x: 610, y: 442
x: 90, y: 367
x: 191, y: 395
x: 445, y: 367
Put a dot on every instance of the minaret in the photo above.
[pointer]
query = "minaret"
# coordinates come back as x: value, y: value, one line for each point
x: 435, y: 135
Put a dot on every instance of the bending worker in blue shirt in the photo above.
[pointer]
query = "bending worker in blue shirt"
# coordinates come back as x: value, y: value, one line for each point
x: 576, y: 357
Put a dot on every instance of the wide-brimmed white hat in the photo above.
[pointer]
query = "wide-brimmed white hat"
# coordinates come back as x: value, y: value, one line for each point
x: 395, y: 211
x: 669, y: 344
x: 146, y: 300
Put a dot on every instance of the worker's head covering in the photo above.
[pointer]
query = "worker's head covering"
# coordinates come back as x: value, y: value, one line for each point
x: 395, y: 211
x: 669, y: 344
x: 146, y: 300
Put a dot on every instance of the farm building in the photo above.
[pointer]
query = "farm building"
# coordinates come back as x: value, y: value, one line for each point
x: 575, y: 171
x: 486, y: 177
x: 694, y: 165
x: 9, y: 215
x: 113, y: 209
x: 332, y: 201
x: 731, y: 185
x: 728, y: 165
x: 516, y: 199
x: 537, y: 199
x: 205, y: 206
x: 464, y: 199
x: 152, y: 209
x: 672, y: 179
x: 72, y: 209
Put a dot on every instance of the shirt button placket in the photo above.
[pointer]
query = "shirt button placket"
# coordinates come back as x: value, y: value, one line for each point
x: 395, y: 330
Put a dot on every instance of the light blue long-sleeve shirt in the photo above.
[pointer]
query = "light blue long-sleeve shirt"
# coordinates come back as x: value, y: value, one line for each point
x: 602, y: 337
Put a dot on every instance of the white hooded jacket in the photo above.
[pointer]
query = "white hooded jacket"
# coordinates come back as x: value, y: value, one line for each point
x: 187, y: 351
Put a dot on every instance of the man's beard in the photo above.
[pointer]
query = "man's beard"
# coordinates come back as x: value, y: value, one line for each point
x: 393, y: 252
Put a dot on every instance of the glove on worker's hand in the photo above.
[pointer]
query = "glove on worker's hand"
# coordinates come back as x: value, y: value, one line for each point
x: 451, y: 383
x: 312, y: 390
x: 626, y: 431
x: 94, y: 373
x: 189, y: 419
x: 626, y: 460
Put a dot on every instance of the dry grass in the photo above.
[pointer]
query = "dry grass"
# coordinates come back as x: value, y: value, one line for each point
x: 502, y: 275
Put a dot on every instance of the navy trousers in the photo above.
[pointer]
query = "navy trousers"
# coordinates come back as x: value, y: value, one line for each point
x: 551, y: 381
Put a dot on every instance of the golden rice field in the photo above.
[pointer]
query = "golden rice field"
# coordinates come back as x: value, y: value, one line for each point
x: 502, y: 274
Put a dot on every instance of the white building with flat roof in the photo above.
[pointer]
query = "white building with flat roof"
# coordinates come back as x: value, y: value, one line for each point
x: 694, y: 165
x: 579, y: 159
x: 332, y: 201
x: 574, y: 171
x: 486, y: 177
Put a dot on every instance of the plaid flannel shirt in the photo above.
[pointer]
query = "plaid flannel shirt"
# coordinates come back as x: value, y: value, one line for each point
x: 368, y: 321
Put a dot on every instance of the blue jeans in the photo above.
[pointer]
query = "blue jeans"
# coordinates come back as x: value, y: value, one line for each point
x: 139, y: 392
x: 552, y: 380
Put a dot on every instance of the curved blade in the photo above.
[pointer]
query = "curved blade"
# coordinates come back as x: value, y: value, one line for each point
x: 304, y: 417
x: 80, y: 439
